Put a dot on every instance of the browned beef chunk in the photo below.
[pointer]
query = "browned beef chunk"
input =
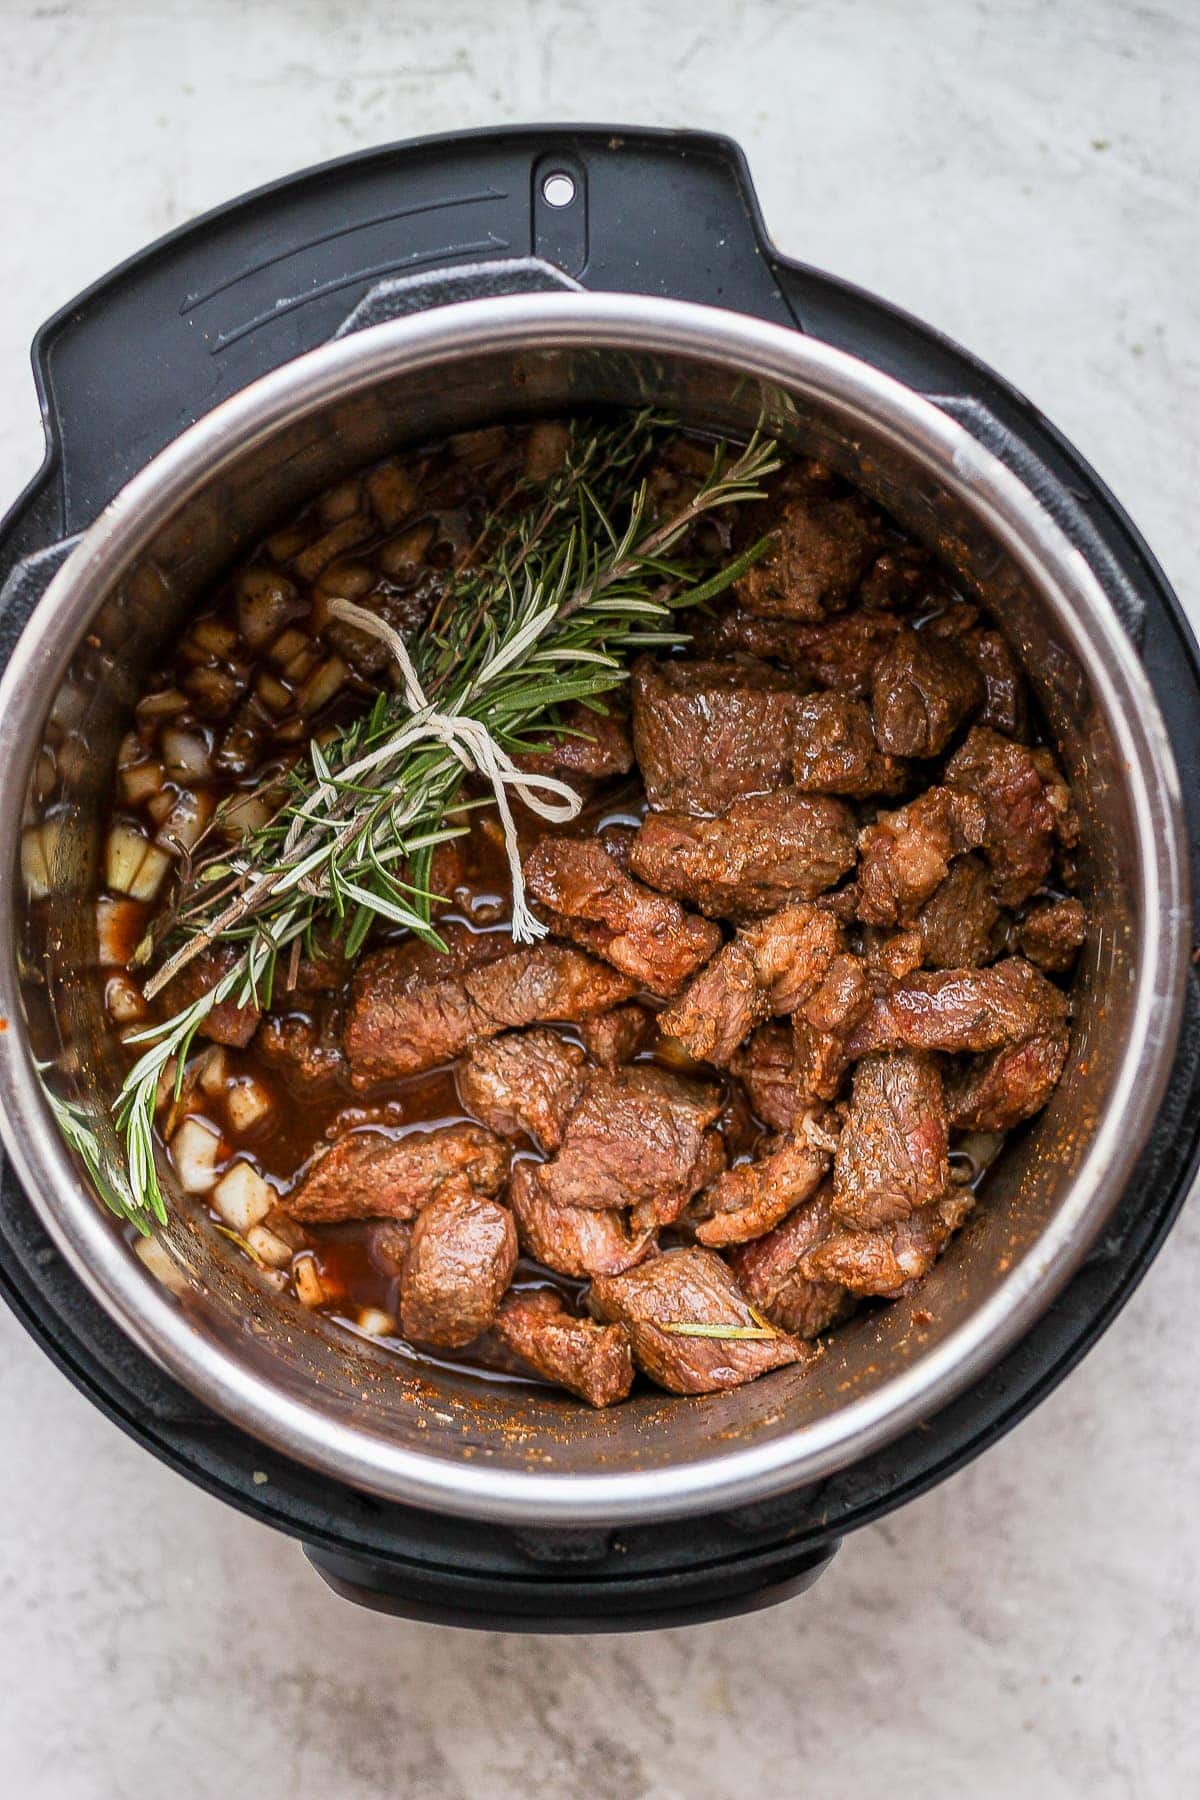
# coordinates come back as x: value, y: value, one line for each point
x: 892, y: 1155
x: 590, y: 744
x: 961, y: 1010
x: 616, y: 1037
x: 768, y: 1272
x: 306, y: 1047
x: 371, y: 1175
x: 764, y: 1067
x: 638, y: 1136
x: 590, y: 1360
x: 707, y: 733
x: 823, y: 548
x: 899, y: 577
x: 523, y: 1082
x: 996, y: 1092
x: 759, y: 854
x: 822, y: 1027
x: 457, y: 1268
x: 583, y: 895
x: 747, y: 1200
x: 1006, y: 697
x: 1052, y: 932
x: 413, y: 1006
x: 575, y: 1240
x: 226, y: 1022
x: 838, y: 653
x: 836, y: 752
x: 689, y: 1287
x: 922, y: 689
x: 769, y: 968
x: 906, y: 854
x: 321, y: 971
x: 884, y: 1262
x: 405, y: 608
x: 1027, y: 806
x: 386, y: 1242
x: 959, y: 926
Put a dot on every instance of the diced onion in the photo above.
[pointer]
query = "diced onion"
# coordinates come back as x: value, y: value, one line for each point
x: 272, y: 692
x: 118, y: 928
x: 195, y: 1151
x: 402, y: 556
x: 242, y: 1197
x: 212, y: 636
x: 132, y: 865
x: 340, y: 502
x: 322, y: 685
x: 163, y: 705
x: 156, y: 1259
x: 310, y: 1290
x: 245, y: 813
x: 375, y: 1322
x: 267, y: 1245
x: 141, y: 781
x: 35, y: 871
x: 392, y: 493
x: 186, y: 753
x: 265, y: 600
x: 214, y: 1071
x: 247, y: 1102
x: 123, y: 1000
x: 214, y: 690
x: 182, y: 827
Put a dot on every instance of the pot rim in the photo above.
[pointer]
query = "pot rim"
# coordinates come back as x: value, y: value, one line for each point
x: 913, y: 425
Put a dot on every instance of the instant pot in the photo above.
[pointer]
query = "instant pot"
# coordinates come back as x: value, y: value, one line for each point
x: 210, y: 385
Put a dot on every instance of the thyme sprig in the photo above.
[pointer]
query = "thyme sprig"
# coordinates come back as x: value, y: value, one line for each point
x: 564, y: 581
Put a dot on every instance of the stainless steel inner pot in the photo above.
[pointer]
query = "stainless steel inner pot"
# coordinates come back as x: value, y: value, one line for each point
x: 410, y: 1431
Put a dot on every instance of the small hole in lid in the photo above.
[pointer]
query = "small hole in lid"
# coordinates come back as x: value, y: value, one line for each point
x: 558, y: 189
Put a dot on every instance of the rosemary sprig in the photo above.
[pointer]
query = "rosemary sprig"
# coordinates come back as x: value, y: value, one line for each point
x: 554, y: 596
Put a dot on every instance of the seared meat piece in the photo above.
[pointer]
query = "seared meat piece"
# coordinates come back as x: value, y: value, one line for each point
x: 413, y: 1006
x: 590, y: 744
x: 689, y: 1287
x: 922, y: 689
x: 956, y: 1010
x: 593, y: 1361
x: 616, y: 1037
x: 884, y: 1262
x: 583, y: 895
x: 959, y: 925
x: 638, y: 1136
x: 759, y: 854
x: 386, y: 1243
x: 836, y: 752
x: 1027, y: 809
x: 707, y: 733
x: 456, y: 1271
x: 837, y: 653
x: 892, y: 1156
x: 523, y: 1082
x: 226, y: 1022
x: 822, y: 1027
x: 575, y: 1240
x: 899, y: 577
x: 998, y: 1091
x: 406, y: 611
x: 370, y: 1175
x: 822, y: 550
x: 769, y: 968
x: 764, y: 1067
x: 1006, y: 698
x: 768, y: 1272
x: 1052, y: 932
x: 747, y: 1200
x: 906, y: 854
x: 306, y: 1047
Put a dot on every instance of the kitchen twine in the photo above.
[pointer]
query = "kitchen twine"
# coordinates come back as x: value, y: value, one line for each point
x: 470, y: 741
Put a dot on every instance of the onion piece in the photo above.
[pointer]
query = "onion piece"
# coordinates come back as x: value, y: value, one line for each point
x: 322, y: 685
x: 162, y: 705
x: 132, y: 865
x: 288, y: 646
x: 211, y: 637
x: 214, y: 1072
x: 181, y: 829
x: 242, y: 1197
x: 375, y: 1322
x: 35, y: 871
x: 245, y: 813
x: 247, y: 1103
x: 267, y: 1245
x: 153, y: 1255
x: 272, y: 692
x: 123, y: 1000
x: 196, y: 1151
x: 141, y: 781
x: 186, y: 753
x: 310, y: 1290
x: 118, y: 930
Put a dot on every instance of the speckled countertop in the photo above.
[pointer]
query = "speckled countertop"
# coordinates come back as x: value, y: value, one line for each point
x: 1026, y: 176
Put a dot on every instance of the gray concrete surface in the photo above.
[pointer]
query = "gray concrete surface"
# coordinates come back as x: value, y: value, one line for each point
x: 1026, y: 176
